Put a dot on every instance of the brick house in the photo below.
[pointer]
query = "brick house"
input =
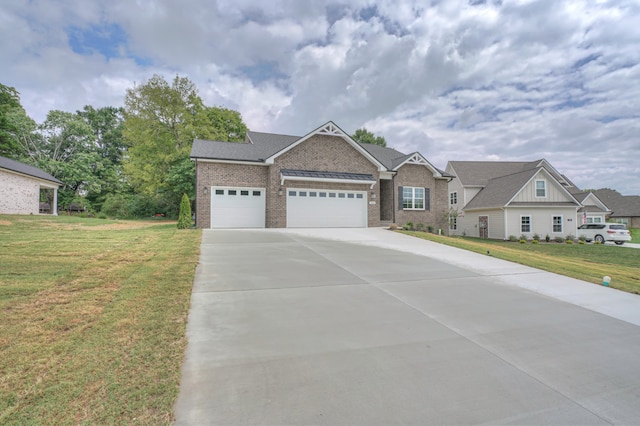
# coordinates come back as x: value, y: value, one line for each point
x: 21, y: 186
x: 322, y: 179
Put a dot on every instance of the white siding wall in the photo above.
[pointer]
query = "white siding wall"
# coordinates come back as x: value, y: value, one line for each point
x: 554, y: 192
x: 468, y: 225
x: 18, y: 194
x: 542, y: 221
x: 455, y: 186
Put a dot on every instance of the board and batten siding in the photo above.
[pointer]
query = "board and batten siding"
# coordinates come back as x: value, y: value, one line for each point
x: 554, y: 193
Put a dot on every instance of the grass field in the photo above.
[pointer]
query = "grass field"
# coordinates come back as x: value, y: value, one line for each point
x: 588, y: 262
x: 635, y: 235
x: 93, y: 319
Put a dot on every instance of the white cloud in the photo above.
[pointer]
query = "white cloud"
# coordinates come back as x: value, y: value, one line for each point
x: 510, y: 80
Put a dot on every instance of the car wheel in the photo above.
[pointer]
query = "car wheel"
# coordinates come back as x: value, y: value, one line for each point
x: 619, y: 243
x: 600, y: 239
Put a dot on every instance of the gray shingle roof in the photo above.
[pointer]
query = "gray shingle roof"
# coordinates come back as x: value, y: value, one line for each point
x: 478, y: 173
x: 383, y: 154
x: 327, y: 175
x: 259, y: 146
x: 620, y: 205
x: 25, y: 169
x: 498, y: 191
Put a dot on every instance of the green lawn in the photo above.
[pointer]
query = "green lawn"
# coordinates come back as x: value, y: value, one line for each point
x: 635, y: 235
x: 93, y: 319
x: 588, y: 262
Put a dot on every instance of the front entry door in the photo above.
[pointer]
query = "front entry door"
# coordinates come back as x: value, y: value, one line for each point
x: 483, y: 226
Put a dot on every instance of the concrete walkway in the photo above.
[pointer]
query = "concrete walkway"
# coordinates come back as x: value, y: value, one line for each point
x: 367, y: 326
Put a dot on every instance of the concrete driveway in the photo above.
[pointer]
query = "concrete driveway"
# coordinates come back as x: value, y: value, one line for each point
x: 366, y: 327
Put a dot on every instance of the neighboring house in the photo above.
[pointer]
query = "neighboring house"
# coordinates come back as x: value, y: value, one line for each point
x: 322, y: 179
x: 20, y: 188
x: 624, y: 208
x: 593, y: 210
x: 492, y: 199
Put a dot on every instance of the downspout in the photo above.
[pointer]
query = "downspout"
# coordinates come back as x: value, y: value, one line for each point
x: 506, y: 224
x: 196, y: 192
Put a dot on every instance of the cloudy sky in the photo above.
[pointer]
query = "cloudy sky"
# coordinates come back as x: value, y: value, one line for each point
x: 453, y: 79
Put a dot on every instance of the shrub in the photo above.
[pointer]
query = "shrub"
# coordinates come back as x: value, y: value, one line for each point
x: 420, y: 227
x: 568, y: 241
x: 117, y: 205
x: 522, y: 241
x: 582, y: 242
x: 430, y: 229
x: 513, y: 238
x: 184, y: 218
x: 393, y: 226
x: 408, y: 226
x: 582, y: 238
x: 570, y: 237
x: 535, y: 241
x: 523, y: 237
x: 536, y: 237
x: 547, y: 238
x: 558, y: 240
x: 101, y: 215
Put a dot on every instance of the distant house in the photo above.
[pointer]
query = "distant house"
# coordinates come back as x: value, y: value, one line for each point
x: 321, y: 179
x: 20, y: 188
x: 499, y: 199
x: 624, y: 208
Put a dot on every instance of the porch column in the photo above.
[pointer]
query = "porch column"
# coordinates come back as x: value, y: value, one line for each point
x: 55, y: 201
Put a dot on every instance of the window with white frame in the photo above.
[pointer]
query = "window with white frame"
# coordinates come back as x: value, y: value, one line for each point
x: 557, y: 224
x: 453, y: 222
x: 453, y: 198
x: 525, y: 223
x: 623, y: 220
x: 541, y: 188
x: 412, y: 198
x: 594, y: 219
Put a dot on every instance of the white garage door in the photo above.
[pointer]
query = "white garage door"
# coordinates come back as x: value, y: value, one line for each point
x: 237, y: 207
x: 321, y: 208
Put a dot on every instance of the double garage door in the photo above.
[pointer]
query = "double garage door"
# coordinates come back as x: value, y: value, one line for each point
x: 306, y: 208
x: 322, y: 208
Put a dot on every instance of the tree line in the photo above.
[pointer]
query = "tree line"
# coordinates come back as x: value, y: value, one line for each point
x: 126, y: 162
x: 130, y: 161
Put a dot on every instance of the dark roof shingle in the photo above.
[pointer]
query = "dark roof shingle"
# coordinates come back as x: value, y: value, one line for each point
x: 25, y: 169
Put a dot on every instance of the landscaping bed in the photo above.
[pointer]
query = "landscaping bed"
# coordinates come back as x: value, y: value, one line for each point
x: 588, y: 262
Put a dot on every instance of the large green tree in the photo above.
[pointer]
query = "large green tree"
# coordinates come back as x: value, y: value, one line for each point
x: 108, y: 144
x: 227, y: 124
x: 63, y: 145
x: 365, y: 136
x: 161, y: 121
x: 13, y: 120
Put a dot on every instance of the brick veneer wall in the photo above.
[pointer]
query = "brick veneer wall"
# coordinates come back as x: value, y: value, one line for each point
x: 320, y: 153
x: 18, y: 194
x: 420, y: 176
x: 222, y: 174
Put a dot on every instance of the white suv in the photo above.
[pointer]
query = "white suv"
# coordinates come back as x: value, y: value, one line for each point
x: 602, y: 232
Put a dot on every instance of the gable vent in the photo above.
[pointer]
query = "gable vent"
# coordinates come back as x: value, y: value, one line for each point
x: 417, y: 159
x: 330, y: 129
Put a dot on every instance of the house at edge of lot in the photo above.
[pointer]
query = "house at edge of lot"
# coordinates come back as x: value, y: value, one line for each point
x: 20, y: 188
x: 624, y: 208
x: 322, y: 179
x: 499, y: 199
